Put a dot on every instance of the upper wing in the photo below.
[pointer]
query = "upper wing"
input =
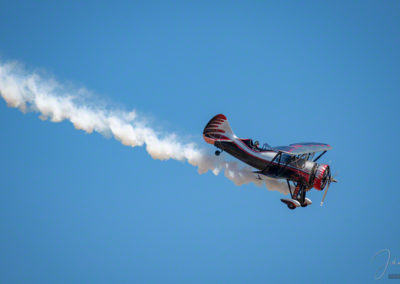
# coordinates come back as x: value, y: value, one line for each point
x: 303, y: 148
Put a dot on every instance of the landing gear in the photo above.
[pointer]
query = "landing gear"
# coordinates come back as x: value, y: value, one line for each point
x: 291, y: 203
x: 298, y: 197
x: 217, y: 153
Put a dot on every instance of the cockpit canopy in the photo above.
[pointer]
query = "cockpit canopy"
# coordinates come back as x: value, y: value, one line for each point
x: 266, y: 147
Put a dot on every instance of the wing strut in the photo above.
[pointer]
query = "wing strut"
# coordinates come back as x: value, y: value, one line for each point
x: 320, y: 155
x: 279, y: 154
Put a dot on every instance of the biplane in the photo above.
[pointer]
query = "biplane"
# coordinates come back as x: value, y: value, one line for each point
x: 295, y: 163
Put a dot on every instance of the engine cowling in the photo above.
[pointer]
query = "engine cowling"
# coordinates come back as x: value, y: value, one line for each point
x: 321, y: 177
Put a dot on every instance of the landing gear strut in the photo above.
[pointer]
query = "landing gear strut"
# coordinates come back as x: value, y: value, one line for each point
x: 218, y: 152
x: 298, y: 199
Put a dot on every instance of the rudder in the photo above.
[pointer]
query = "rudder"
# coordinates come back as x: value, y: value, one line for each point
x: 218, y: 129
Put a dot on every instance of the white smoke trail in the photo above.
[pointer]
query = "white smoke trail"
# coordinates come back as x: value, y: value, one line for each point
x: 28, y: 91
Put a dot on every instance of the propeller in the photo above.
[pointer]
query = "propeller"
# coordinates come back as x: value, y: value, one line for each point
x: 329, y: 180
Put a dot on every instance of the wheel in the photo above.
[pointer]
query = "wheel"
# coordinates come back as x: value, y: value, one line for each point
x: 217, y: 153
x: 291, y: 206
x: 304, y: 205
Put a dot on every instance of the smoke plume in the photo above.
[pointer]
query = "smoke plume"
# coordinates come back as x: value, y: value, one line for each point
x: 30, y: 91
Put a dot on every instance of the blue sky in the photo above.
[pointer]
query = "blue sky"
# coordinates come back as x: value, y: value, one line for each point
x: 81, y: 208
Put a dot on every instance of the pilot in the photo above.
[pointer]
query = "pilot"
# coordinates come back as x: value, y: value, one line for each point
x: 256, y: 143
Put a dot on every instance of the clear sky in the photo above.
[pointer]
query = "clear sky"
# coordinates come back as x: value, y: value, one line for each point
x: 77, y: 208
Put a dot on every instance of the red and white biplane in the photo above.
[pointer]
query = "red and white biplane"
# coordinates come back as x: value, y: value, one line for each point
x: 294, y: 163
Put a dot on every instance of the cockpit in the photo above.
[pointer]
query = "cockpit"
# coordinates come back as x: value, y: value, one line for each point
x: 255, y: 145
x: 297, y: 160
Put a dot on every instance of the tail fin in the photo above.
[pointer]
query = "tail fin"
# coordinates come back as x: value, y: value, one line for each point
x: 218, y: 129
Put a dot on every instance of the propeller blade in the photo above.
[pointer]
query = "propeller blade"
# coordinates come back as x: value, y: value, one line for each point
x: 326, y: 191
x: 327, y: 186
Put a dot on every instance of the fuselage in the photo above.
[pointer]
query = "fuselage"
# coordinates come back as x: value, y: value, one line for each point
x: 287, y: 167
